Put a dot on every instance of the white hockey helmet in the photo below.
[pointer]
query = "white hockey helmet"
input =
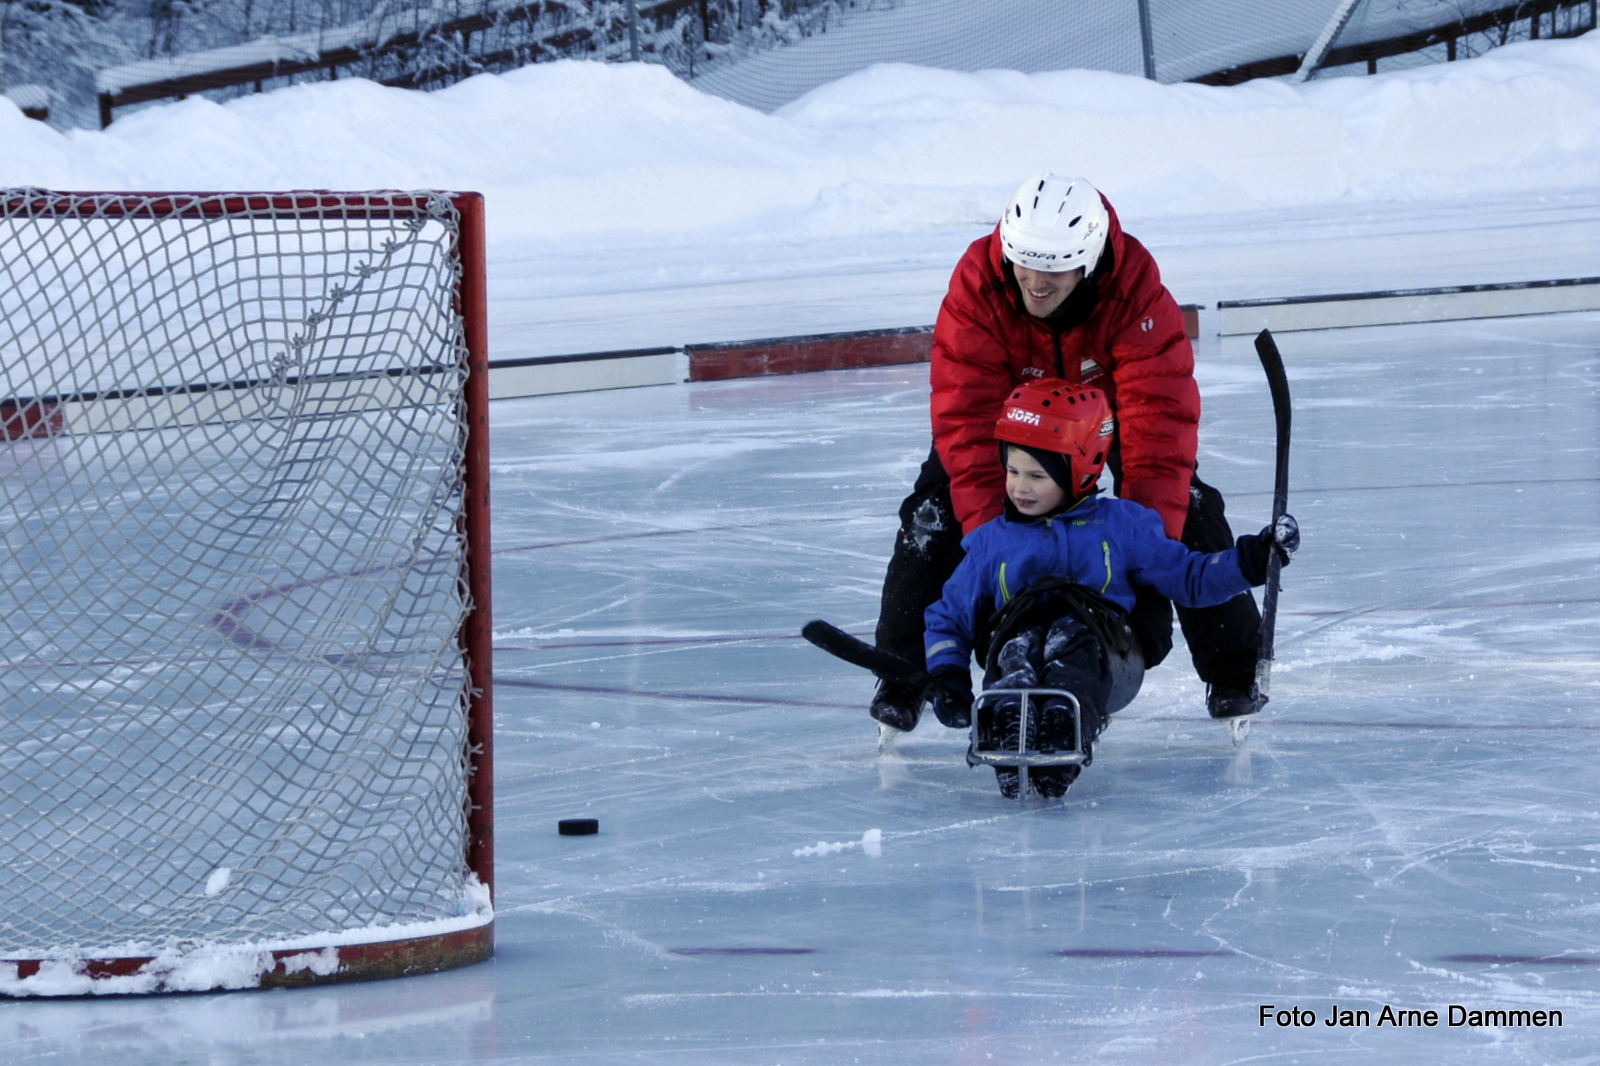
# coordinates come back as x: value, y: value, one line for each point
x: 1055, y: 224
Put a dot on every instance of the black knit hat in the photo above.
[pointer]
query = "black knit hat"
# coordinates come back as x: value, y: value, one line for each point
x: 1055, y: 464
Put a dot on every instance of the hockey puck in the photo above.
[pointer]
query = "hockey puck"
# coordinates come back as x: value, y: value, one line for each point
x: 578, y: 827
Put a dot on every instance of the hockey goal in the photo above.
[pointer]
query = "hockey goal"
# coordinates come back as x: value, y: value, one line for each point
x: 245, y: 738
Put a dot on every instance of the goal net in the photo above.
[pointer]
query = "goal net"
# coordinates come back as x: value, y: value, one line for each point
x: 243, y: 618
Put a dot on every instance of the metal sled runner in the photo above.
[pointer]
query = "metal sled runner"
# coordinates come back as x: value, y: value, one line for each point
x: 1024, y: 756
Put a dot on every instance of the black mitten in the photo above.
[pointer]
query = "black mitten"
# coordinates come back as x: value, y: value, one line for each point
x: 953, y: 706
x: 1283, y: 536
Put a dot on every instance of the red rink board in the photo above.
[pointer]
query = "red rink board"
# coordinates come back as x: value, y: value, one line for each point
x: 799, y: 355
x: 831, y: 351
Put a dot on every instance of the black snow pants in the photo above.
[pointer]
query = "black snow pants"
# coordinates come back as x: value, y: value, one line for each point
x: 1223, y: 640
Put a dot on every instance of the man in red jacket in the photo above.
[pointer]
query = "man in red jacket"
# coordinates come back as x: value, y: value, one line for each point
x: 1059, y: 291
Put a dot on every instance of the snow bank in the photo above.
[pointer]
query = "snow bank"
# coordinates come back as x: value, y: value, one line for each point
x: 1524, y: 118
x: 590, y: 157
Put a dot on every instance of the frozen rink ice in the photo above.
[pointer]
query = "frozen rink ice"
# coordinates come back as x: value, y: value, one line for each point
x: 1412, y: 822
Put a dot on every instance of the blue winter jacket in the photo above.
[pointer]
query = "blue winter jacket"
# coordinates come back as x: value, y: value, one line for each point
x: 1105, y: 544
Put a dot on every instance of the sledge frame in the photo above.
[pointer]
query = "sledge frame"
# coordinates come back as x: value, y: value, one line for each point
x: 1023, y: 756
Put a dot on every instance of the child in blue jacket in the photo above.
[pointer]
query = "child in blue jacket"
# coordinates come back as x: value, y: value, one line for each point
x: 1044, y: 591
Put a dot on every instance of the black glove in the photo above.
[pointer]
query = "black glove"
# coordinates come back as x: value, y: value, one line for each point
x: 1283, y: 536
x: 953, y: 706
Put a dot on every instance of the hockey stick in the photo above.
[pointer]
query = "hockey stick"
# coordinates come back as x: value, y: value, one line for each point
x: 886, y: 665
x: 1278, y: 382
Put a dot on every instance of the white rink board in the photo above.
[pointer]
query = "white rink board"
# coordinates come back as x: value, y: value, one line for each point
x: 374, y: 392
x: 178, y: 408
x: 1248, y: 317
x: 586, y: 374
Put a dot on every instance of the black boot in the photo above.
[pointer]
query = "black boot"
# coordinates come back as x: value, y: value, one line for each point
x: 1073, y: 662
x: 1017, y: 665
x: 1052, y: 782
x: 1018, y: 660
x: 1056, y: 734
x: 1225, y: 639
x: 897, y: 706
x: 1234, y: 701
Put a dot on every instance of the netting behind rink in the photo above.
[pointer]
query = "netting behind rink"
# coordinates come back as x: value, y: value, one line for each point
x: 766, y: 53
x: 232, y: 571
x: 1394, y: 34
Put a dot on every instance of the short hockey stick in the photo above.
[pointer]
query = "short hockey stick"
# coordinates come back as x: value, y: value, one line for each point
x: 1278, y: 382
x: 886, y: 665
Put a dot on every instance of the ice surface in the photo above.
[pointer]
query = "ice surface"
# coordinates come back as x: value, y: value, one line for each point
x: 1412, y: 821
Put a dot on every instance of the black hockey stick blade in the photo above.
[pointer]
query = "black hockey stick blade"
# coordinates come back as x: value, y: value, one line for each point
x: 887, y: 665
x: 1278, y: 383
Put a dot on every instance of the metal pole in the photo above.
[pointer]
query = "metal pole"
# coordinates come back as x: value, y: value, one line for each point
x: 633, y: 30
x: 1147, y: 42
x: 477, y: 630
x: 1319, y: 47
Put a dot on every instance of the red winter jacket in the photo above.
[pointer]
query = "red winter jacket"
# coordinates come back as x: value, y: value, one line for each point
x: 985, y: 344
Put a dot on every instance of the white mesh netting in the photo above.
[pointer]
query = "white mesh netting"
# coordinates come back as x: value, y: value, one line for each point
x: 767, y: 53
x: 232, y: 570
x: 1394, y: 34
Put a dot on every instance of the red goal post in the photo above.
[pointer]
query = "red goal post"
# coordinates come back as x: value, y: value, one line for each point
x: 246, y: 738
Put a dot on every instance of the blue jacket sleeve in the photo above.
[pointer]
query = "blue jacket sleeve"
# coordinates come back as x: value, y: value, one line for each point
x: 1187, y: 578
x: 952, y: 621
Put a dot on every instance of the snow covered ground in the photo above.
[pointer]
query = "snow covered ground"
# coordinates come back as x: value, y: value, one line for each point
x: 1412, y: 822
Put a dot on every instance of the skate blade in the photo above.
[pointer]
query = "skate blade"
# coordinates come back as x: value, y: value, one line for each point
x: 887, y: 734
x: 1238, y: 729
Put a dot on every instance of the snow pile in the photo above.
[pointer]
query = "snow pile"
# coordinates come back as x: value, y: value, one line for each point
x: 219, y: 880
x: 871, y: 843
x: 207, y: 967
x: 593, y: 158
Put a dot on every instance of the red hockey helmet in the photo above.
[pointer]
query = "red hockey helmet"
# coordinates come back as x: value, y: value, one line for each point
x: 1073, y: 421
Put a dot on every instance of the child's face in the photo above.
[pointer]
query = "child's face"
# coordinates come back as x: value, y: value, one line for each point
x: 1032, y: 491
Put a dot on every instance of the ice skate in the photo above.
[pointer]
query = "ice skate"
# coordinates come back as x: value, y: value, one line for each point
x: 887, y: 735
x: 896, y: 706
x: 1234, y: 705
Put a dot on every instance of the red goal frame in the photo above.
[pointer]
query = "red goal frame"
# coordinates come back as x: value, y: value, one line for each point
x: 41, y: 417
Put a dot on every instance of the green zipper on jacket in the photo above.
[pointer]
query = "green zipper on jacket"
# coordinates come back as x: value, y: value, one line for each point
x: 1105, y: 548
x: 1005, y: 593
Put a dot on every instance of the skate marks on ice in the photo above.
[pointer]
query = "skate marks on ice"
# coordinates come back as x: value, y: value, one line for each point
x: 1363, y: 842
x: 1410, y: 822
